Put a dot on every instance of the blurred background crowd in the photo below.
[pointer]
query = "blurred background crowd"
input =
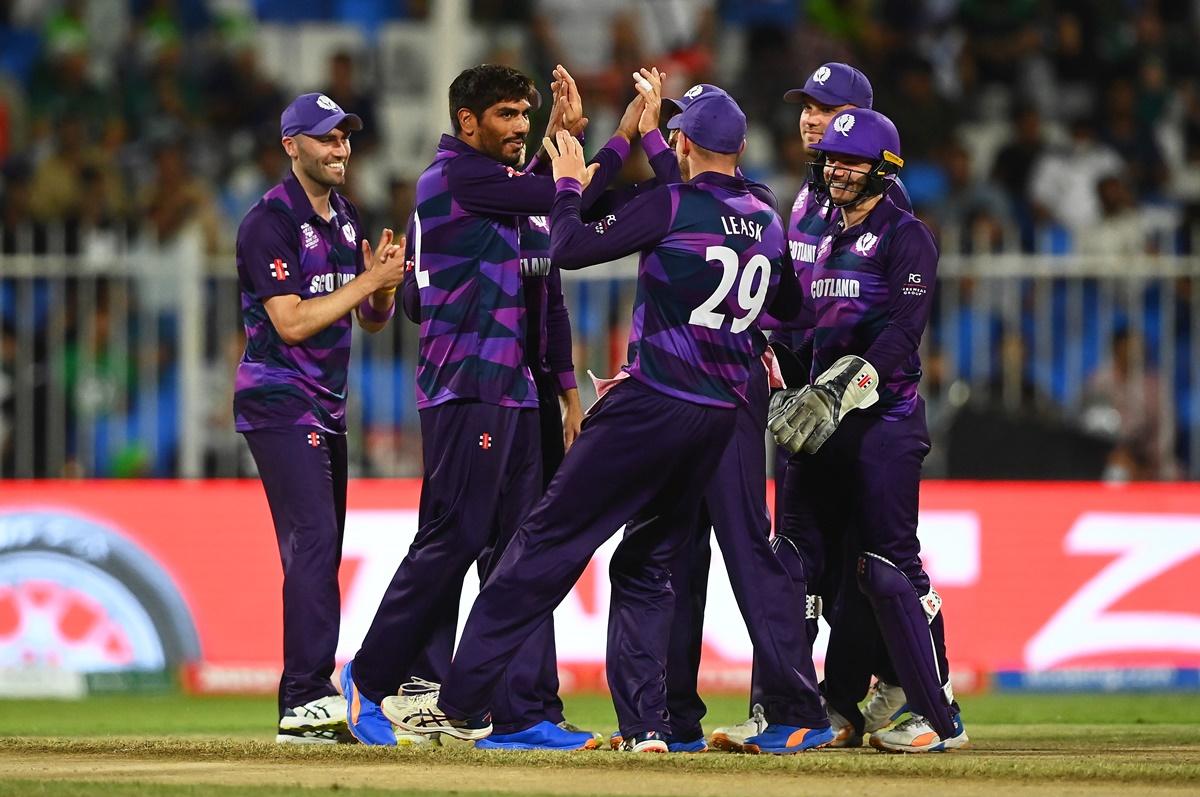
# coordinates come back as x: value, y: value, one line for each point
x: 1054, y: 147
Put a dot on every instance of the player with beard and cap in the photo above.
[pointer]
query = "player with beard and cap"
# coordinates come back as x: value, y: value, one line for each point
x: 711, y: 259
x: 857, y: 432
x: 303, y: 266
x: 855, y: 649
x: 476, y: 396
x: 734, y: 505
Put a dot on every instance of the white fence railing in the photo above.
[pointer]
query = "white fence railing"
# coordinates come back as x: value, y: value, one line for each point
x: 120, y: 360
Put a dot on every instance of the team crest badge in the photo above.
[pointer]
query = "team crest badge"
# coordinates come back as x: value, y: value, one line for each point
x: 349, y: 233
x: 327, y: 104
x: 540, y: 222
x: 821, y: 75
x: 866, y: 243
x: 844, y: 124
x: 694, y: 91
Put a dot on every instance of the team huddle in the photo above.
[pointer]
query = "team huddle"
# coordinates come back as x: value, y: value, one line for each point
x: 744, y: 321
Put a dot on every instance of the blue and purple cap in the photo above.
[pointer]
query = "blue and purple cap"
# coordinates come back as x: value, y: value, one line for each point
x: 315, y: 115
x: 711, y: 118
x: 835, y: 84
x: 862, y: 133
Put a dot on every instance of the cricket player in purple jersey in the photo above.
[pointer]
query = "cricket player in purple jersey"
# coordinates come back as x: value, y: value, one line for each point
x: 855, y: 649
x: 858, y: 432
x: 548, y: 354
x: 711, y: 262
x: 734, y: 506
x: 477, y: 399
x: 303, y: 266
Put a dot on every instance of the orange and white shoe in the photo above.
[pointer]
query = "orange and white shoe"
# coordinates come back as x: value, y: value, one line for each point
x: 732, y: 738
x: 916, y: 735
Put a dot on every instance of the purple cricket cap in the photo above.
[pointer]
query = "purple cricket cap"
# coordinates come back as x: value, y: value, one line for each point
x: 695, y: 92
x: 714, y: 121
x: 863, y: 133
x: 315, y: 115
x: 835, y: 84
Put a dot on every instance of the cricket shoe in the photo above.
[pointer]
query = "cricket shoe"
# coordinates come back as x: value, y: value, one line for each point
x: 571, y: 727
x: 644, y: 742
x: 419, y: 713
x: 916, y: 735
x: 698, y: 745
x: 319, y: 721
x: 886, y: 703
x: 844, y: 733
x: 543, y: 736
x: 364, y: 717
x: 732, y: 738
x: 788, y: 739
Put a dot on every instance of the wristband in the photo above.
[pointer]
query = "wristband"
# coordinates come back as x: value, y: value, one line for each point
x: 367, y: 311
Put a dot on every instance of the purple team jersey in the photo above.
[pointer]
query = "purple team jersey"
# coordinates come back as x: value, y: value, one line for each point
x: 284, y: 247
x: 871, y: 291
x: 464, y: 241
x: 711, y: 262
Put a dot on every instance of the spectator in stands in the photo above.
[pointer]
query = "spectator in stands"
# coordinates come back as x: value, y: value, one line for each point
x: 1014, y: 163
x: 345, y: 88
x: 1062, y: 186
x: 1122, y: 399
x: 1120, y: 231
x: 58, y: 182
x: 973, y: 211
x: 1133, y: 137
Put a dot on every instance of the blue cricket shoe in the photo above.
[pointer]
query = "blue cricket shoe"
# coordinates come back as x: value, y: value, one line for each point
x: 364, y: 716
x: 788, y: 739
x: 543, y: 736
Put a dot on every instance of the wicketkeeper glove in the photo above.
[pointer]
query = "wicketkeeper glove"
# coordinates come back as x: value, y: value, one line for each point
x: 802, y: 420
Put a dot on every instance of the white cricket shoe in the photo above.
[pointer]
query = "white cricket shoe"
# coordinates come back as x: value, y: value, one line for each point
x: 732, y: 738
x: 916, y: 735
x: 885, y: 703
x: 320, y: 721
x: 419, y: 713
x: 844, y: 734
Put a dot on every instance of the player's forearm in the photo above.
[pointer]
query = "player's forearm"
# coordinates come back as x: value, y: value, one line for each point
x: 296, y: 320
x: 574, y: 244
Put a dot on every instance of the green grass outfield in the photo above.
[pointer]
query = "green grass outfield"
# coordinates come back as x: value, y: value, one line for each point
x: 174, y: 745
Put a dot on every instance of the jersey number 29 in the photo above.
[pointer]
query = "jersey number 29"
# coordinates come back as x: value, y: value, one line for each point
x: 749, y: 297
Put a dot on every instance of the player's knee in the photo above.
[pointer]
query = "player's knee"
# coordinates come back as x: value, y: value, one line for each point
x: 880, y: 578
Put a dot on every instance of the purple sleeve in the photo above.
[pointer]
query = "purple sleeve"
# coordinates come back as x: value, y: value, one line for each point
x: 912, y: 269
x: 662, y: 158
x: 558, y: 333
x: 639, y: 225
x: 481, y: 185
x: 268, y: 248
